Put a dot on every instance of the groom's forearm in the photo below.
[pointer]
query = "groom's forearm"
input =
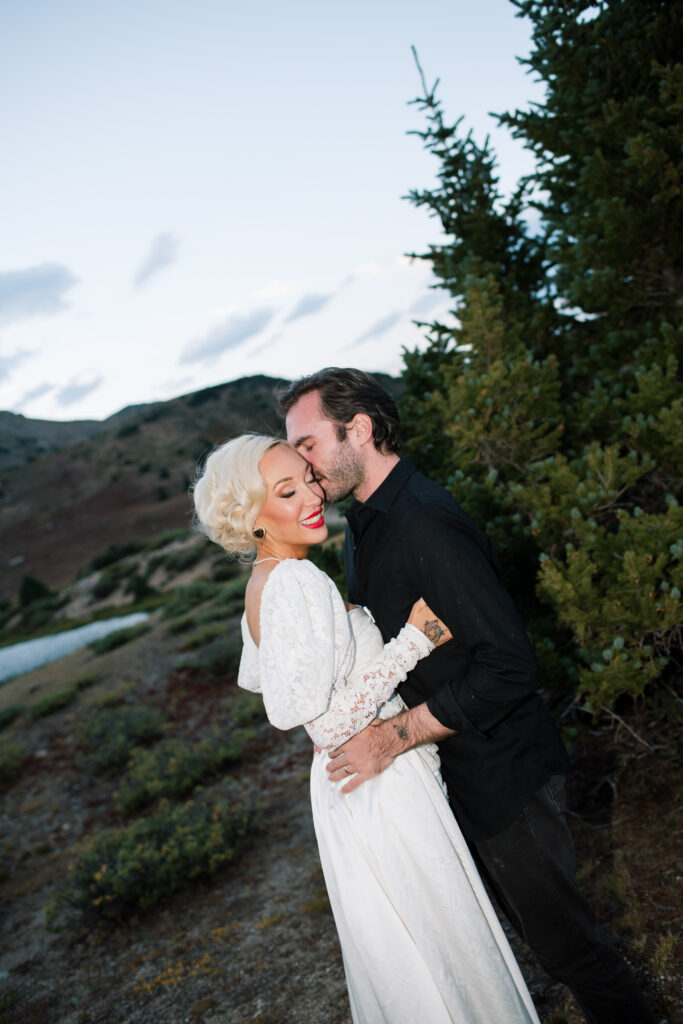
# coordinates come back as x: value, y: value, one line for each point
x: 374, y: 748
x: 412, y: 728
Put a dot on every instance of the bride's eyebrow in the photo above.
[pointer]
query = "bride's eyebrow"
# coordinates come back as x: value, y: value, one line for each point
x: 285, y: 480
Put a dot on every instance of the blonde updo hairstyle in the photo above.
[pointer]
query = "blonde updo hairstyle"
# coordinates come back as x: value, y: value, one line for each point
x: 230, y: 491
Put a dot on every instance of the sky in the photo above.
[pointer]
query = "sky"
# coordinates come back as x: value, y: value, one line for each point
x: 193, y: 192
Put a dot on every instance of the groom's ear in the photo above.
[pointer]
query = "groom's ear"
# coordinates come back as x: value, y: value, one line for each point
x: 359, y: 430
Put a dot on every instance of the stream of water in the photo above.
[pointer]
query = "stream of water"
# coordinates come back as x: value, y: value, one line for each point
x: 30, y: 654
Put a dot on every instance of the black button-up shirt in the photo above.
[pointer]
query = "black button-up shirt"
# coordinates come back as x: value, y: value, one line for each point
x: 411, y: 539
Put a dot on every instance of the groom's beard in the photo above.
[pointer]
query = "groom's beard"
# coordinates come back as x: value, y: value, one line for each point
x: 343, y: 474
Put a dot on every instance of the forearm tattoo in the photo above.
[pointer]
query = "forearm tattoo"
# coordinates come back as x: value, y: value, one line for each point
x: 402, y: 732
x: 433, y: 630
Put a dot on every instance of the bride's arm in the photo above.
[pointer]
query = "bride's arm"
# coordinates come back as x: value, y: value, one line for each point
x: 306, y: 657
x: 356, y: 698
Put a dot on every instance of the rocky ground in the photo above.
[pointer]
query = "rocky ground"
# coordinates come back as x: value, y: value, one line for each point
x: 256, y: 943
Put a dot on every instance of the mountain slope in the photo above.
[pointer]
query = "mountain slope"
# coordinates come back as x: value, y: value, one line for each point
x: 127, y: 483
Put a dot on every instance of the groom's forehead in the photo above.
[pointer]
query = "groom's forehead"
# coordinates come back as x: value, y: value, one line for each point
x: 305, y: 420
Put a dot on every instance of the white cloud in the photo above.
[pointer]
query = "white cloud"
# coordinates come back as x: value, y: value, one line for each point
x: 232, y: 332
x: 8, y: 363
x: 379, y: 327
x: 309, y: 304
x: 34, y: 394
x: 76, y: 389
x: 34, y: 291
x: 162, y: 253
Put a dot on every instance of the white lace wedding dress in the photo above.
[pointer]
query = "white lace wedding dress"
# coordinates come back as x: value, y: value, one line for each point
x: 419, y: 937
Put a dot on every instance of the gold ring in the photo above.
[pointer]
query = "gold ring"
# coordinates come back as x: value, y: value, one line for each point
x: 347, y: 770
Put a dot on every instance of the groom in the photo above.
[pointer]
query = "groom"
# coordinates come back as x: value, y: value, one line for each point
x: 501, y: 756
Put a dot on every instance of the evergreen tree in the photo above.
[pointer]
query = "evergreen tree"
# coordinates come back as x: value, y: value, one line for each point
x: 551, y: 406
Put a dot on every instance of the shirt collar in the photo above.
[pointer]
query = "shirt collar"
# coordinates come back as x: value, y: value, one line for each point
x: 384, y: 496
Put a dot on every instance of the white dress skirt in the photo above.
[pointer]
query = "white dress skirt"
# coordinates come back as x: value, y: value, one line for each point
x: 419, y: 937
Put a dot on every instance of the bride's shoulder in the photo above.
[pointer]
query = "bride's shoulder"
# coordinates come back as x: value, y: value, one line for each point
x: 298, y: 580
x: 300, y: 570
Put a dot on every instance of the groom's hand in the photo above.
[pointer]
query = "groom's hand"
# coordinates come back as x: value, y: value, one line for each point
x: 373, y: 749
x: 362, y: 757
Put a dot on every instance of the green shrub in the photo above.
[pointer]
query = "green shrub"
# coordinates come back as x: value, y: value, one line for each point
x: 111, y: 577
x: 128, y: 429
x: 330, y: 560
x: 226, y: 607
x: 246, y: 707
x: 114, y: 696
x: 58, y: 699
x: 104, y: 586
x: 185, y: 558
x: 54, y: 701
x: 8, y: 714
x: 182, y: 625
x: 172, y: 768
x: 85, y: 680
x: 137, y: 867
x: 220, y: 659
x: 119, y: 638
x: 114, y: 553
x: 32, y: 589
x: 7, y: 610
x: 11, y: 755
x: 225, y: 568
x: 162, y: 540
x: 203, y: 635
x: 138, y: 587
x: 188, y: 598
x: 217, y: 612
x: 114, y: 732
x: 154, y: 414
x: 41, y: 611
x: 231, y: 590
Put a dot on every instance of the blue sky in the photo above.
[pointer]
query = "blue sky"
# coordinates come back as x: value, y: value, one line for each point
x: 194, y: 192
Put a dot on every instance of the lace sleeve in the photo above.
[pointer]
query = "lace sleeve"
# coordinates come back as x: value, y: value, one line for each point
x: 355, y: 700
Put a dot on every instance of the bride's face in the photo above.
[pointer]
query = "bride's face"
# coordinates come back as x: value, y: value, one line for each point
x: 292, y: 514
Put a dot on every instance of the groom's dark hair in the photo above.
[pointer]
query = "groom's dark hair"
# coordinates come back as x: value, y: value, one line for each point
x: 343, y: 394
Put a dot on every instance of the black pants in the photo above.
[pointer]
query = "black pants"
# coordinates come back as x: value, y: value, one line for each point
x: 531, y: 868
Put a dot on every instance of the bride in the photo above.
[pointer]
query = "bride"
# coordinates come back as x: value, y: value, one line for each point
x: 419, y: 937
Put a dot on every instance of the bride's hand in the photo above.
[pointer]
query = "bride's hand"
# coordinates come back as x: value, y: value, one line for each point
x: 423, y: 618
